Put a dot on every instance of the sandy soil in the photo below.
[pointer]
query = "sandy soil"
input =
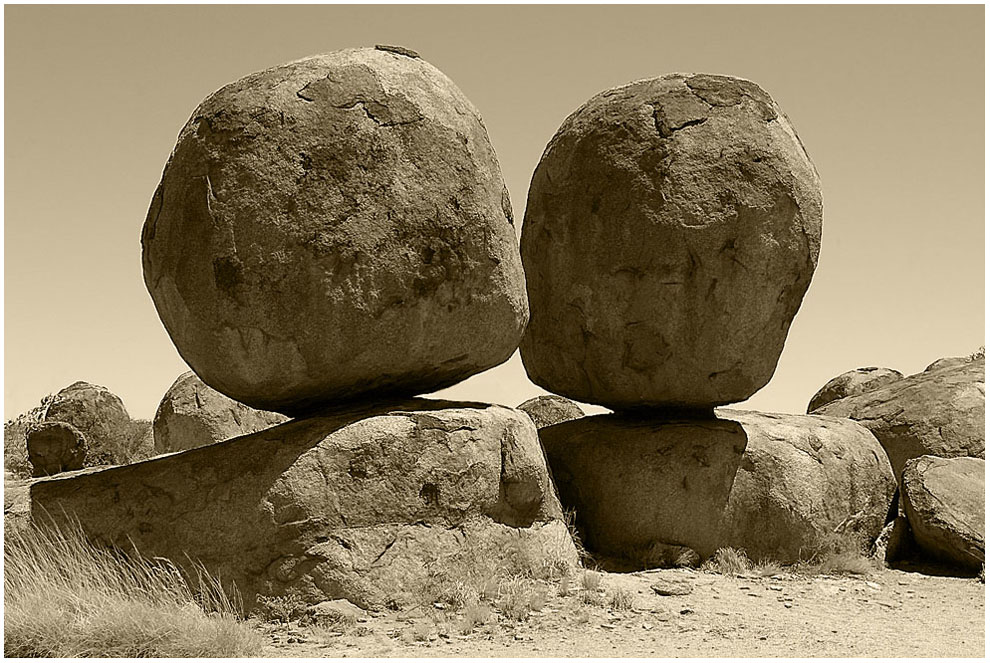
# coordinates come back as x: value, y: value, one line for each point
x: 890, y: 613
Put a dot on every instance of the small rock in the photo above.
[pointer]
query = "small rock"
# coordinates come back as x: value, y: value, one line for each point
x: 776, y: 588
x: 872, y: 585
x: 687, y: 611
x: 671, y: 588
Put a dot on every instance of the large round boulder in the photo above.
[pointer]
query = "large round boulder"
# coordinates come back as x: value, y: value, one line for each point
x: 939, y: 412
x: 853, y: 382
x: 366, y: 505
x: 672, y: 229
x: 332, y: 228
x: 776, y: 486
x: 192, y: 415
x: 549, y: 409
x: 944, y: 502
x: 54, y: 447
x: 102, y: 418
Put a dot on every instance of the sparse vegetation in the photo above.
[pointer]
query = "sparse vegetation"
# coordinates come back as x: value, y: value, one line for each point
x: 64, y: 597
x: 728, y: 561
x: 280, y: 609
x: 842, y: 551
x: 620, y: 599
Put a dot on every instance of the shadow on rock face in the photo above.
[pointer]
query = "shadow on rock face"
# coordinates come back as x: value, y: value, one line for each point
x: 774, y: 486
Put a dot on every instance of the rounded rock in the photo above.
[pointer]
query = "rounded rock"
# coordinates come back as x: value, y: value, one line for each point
x: 332, y: 228
x: 101, y: 416
x: 672, y: 228
x: 851, y: 383
x: 54, y: 447
x: 193, y: 415
x: 548, y: 410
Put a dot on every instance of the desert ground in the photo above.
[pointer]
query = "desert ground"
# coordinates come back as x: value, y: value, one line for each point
x: 887, y: 613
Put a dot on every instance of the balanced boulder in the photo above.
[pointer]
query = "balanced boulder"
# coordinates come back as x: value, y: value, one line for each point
x: 852, y: 383
x: 332, y: 228
x: 775, y: 486
x: 55, y: 446
x: 193, y: 415
x: 355, y: 506
x: 548, y: 410
x: 672, y: 228
x: 944, y: 502
x: 940, y: 412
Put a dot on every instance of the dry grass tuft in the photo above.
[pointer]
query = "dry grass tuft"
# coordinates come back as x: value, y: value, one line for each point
x: 64, y: 597
x: 728, y: 561
x: 620, y: 600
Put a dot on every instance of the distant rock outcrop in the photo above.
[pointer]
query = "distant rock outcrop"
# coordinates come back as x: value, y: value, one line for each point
x: 332, y: 229
x: 549, y: 410
x: 939, y: 412
x: 672, y: 228
x: 55, y: 446
x: 191, y: 415
x: 354, y: 506
x: 776, y: 486
x: 852, y: 383
x: 944, y: 502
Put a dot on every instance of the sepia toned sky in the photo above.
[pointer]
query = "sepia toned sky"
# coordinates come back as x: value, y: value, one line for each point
x: 888, y: 100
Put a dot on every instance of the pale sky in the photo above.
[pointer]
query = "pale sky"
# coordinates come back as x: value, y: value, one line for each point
x: 888, y: 100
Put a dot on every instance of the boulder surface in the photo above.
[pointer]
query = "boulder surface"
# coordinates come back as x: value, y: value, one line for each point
x: 101, y: 416
x: 55, y: 446
x: 549, y: 410
x: 851, y: 383
x: 672, y: 228
x: 939, y: 412
x: 332, y: 228
x: 775, y: 486
x: 352, y: 506
x: 192, y: 415
x: 944, y: 502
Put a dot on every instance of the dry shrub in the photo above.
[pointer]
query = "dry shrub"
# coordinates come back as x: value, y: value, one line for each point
x: 728, y: 561
x: 519, y: 596
x: 620, y: 599
x: 64, y: 597
x: 841, y: 551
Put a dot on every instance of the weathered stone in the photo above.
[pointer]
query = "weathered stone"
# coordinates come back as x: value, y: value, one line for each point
x: 940, y: 412
x: 16, y: 505
x: 55, y: 446
x: 192, y: 415
x: 352, y: 505
x: 333, y: 613
x: 671, y: 587
x: 332, y: 228
x: 672, y: 228
x: 944, y: 502
x: 946, y: 362
x: 851, y: 383
x: 549, y: 410
x: 100, y: 415
x: 774, y: 486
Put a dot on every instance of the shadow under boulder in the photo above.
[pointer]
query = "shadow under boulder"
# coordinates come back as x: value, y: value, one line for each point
x: 775, y: 486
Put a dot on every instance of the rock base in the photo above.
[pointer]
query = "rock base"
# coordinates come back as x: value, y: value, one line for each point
x: 776, y: 486
x: 361, y: 506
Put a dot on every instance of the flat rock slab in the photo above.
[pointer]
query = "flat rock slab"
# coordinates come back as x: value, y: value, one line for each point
x: 944, y: 499
x: 939, y: 412
x: 775, y: 486
x: 352, y: 506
